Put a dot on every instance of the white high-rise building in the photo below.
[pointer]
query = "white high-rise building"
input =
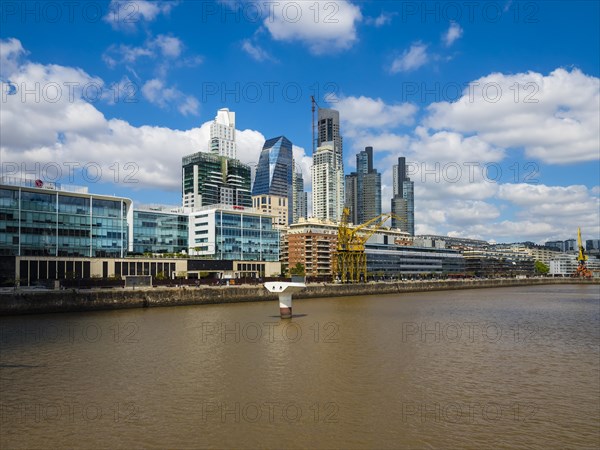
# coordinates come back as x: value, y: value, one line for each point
x: 222, y: 134
x: 327, y: 183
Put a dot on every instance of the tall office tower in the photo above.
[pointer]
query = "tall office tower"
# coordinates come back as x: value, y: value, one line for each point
x: 209, y: 179
x: 274, y: 173
x: 327, y: 184
x: 403, y: 189
x: 300, y: 202
x: 364, y: 198
x: 399, y: 175
x: 222, y: 134
x: 328, y: 130
x: 351, y: 196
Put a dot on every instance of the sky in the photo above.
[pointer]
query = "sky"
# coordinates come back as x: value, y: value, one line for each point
x: 495, y: 105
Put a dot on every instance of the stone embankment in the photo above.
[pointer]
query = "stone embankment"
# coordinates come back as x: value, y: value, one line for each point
x: 49, y: 301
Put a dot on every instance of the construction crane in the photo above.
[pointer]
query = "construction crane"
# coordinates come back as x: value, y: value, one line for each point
x: 582, y: 270
x: 350, y: 261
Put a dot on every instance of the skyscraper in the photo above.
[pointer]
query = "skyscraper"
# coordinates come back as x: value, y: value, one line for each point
x: 328, y: 184
x: 328, y: 130
x: 274, y: 173
x: 403, y: 203
x: 222, y: 134
x: 209, y: 179
x: 363, y: 189
x: 300, y: 202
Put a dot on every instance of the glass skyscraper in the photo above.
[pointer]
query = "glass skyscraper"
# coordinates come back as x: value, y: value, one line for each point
x: 274, y: 173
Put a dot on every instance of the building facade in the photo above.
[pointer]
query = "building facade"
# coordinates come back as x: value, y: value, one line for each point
x: 404, y: 189
x: 274, y: 173
x: 159, y: 230
x: 300, y: 201
x: 327, y: 184
x: 273, y: 205
x: 48, y: 219
x: 209, y: 179
x: 228, y: 232
x: 364, y: 198
x: 222, y: 134
x: 328, y: 131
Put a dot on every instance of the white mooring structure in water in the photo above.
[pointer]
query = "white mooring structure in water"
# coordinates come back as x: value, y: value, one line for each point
x: 285, y: 291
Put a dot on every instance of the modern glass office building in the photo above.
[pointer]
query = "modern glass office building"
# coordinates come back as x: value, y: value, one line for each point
x: 274, y: 174
x: 159, y: 230
x: 394, y: 260
x: 233, y: 233
x: 47, y: 219
x: 210, y: 179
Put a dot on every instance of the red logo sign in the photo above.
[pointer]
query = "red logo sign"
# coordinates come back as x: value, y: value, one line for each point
x: 39, y: 183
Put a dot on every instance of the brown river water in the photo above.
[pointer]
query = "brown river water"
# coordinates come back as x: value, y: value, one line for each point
x: 486, y: 368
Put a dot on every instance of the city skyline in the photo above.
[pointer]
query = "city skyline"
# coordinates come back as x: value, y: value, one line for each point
x: 501, y: 143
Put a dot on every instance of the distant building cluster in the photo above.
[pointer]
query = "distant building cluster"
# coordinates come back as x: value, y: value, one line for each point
x: 246, y: 220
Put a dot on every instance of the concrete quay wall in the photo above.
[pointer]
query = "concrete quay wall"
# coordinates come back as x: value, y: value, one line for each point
x: 47, y: 301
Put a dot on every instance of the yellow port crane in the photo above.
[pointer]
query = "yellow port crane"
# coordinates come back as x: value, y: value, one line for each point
x: 582, y: 270
x: 350, y: 259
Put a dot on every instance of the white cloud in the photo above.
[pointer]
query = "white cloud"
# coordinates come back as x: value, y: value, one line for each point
x: 381, y: 20
x: 72, y: 130
x: 126, y: 15
x: 366, y: 112
x: 170, y: 47
x: 156, y: 92
x: 163, y: 46
x: 553, y: 117
x: 255, y: 51
x: 11, y: 52
x: 325, y: 27
x: 454, y: 32
x: 411, y: 59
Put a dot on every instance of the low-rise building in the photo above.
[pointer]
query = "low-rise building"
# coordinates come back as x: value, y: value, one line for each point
x: 160, y: 230
x: 50, y: 219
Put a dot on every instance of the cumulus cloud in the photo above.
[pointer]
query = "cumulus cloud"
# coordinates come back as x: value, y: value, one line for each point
x: 381, y: 20
x: 255, y: 51
x: 366, y: 112
x: 553, y: 117
x: 454, y: 33
x: 411, y: 59
x: 126, y: 15
x: 162, y: 46
x: 11, y: 52
x: 324, y: 27
x: 68, y: 129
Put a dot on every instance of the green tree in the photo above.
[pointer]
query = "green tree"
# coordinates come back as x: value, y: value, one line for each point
x: 298, y: 269
x: 541, y: 268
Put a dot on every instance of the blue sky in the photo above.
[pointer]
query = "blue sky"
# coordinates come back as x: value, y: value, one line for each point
x: 495, y: 104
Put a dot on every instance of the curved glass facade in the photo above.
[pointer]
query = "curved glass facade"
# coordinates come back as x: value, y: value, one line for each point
x: 274, y: 173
